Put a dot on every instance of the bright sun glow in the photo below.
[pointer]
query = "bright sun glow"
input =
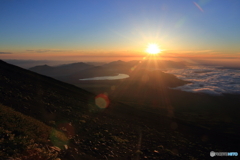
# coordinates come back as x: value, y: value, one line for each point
x: 153, y: 49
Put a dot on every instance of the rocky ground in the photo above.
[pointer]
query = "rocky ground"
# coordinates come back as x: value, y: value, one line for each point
x: 75, y: 128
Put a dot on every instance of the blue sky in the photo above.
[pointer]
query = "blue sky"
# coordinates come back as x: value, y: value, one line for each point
x: 111, y: 27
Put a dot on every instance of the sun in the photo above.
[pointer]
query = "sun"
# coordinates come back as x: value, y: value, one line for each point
x: 153, y: 49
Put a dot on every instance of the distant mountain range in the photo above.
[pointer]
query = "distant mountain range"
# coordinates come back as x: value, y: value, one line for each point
x: 61, y: 70
x: 83, y: 70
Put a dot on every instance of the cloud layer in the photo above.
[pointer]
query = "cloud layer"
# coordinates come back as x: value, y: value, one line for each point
x: 209, y: 80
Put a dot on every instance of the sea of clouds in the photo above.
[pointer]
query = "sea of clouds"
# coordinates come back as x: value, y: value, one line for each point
x: 209, y: 79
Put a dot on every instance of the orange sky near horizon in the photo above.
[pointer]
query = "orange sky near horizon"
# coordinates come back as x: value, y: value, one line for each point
x: 71, y: 55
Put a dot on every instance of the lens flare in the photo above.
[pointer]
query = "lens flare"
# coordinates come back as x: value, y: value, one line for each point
x: 58, y: 138
x: 102, y: 101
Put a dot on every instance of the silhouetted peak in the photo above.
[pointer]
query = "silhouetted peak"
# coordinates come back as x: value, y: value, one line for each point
x: 41, y: 67
x: 119, y: 62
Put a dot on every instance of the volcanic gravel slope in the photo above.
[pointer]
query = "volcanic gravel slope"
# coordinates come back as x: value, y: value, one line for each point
x: 119, y: 131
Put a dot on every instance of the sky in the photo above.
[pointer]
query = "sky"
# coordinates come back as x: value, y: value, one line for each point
x: 101, y: 29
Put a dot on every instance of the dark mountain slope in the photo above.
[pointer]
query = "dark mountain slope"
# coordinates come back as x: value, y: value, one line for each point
x: 39, y: 96
x: 61, y: 70
x: 44, y: 109
x: 121, y: 131
x: 155, y: 77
